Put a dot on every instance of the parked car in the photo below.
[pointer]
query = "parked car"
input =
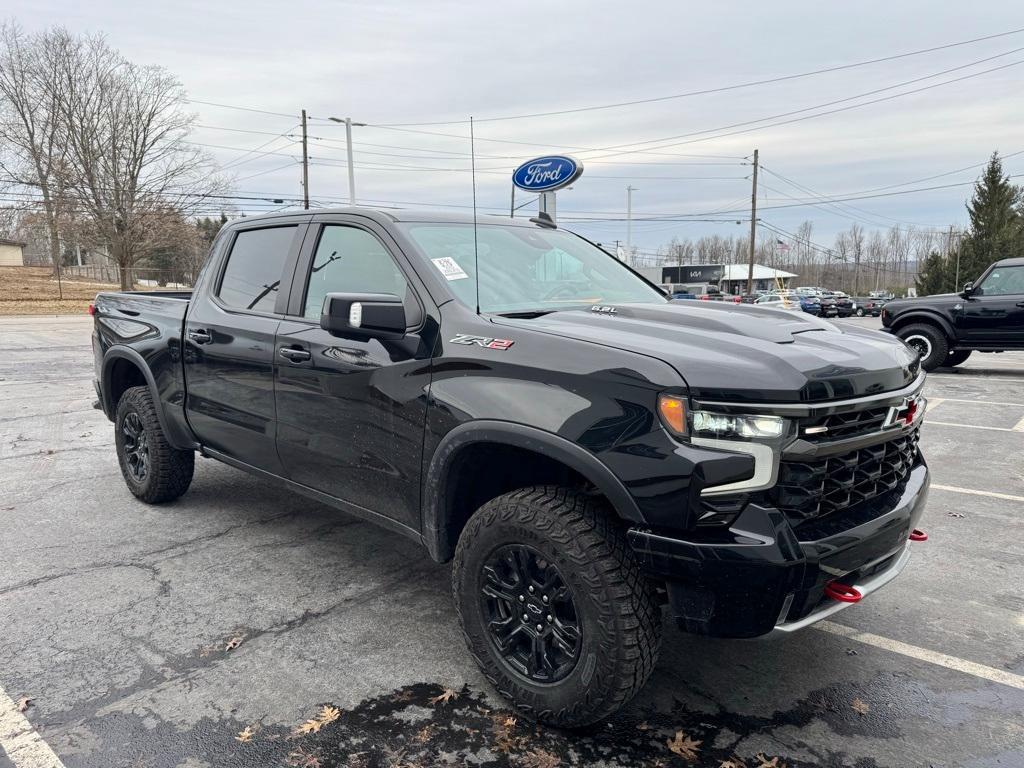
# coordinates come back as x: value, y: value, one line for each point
x: 844, y: 304
x: 867, y: 305
x: 829, y: 306
x: 520, y: 402
x: 775, y: 301
x: 987, y: 316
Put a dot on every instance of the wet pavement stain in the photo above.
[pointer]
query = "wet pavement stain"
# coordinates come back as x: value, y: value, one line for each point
x: 424, y: 725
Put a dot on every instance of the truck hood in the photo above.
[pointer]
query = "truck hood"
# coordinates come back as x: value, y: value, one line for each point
x: 743, y: 353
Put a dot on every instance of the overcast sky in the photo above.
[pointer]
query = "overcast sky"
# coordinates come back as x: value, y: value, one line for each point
x: 400, y: 61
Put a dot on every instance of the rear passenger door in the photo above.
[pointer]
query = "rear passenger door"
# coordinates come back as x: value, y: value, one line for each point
x: 351, y: 412
x: 229, y: 343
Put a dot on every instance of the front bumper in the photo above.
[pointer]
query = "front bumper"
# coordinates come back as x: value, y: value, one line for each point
x: 766, y: 577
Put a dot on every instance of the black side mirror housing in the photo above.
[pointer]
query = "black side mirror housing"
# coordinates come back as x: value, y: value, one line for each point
x: 968, y: 290
x: 364, y: 316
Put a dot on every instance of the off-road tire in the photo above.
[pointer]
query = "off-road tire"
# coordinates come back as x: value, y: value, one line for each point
x: 169, y: 471
x: 930, y: 343
x: 956, y: 357
x: 619, y: 617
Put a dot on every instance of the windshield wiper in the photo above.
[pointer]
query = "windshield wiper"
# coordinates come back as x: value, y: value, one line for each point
x: 527, y: 314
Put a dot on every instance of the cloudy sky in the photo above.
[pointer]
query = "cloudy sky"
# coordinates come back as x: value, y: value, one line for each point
x: 414, y: 72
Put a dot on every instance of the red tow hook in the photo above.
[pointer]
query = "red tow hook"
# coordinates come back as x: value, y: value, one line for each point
x: 844, y: 593
x: 918, y: 535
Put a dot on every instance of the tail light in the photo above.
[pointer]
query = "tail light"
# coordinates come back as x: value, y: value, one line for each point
x: 92, y: 309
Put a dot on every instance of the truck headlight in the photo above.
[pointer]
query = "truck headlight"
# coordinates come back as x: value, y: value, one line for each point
x: 736, y: 427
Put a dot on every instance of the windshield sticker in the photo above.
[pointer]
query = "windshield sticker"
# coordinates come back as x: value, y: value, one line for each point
x: 450, y: 268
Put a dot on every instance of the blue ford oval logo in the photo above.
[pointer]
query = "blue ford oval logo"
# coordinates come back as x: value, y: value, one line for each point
x: 546, y: 174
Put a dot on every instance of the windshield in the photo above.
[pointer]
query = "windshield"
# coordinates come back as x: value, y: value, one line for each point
x: 528, y: 268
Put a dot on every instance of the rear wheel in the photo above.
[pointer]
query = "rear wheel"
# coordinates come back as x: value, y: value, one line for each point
x: 553, y: 605
x: 860, y: 311
x: 928, y: 341
x: 153, y: 470
x: 956, y: 357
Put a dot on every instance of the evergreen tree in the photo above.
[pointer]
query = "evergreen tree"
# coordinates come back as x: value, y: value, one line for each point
x: 997, y: 226
x: 936, y: 274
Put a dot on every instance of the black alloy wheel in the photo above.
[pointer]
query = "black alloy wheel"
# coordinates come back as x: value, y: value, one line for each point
x: 530, y: 614
x: 136, y: 446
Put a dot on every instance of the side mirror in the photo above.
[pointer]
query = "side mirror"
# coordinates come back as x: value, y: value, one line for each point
x: 968, y: 290
x: 364, y: 316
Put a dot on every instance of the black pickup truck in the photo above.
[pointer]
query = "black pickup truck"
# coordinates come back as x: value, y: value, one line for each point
x: 987, y: 316
x: 585, y: 449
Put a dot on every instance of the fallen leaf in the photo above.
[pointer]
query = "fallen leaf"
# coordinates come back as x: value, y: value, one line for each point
x: 299, y: 758
x: 764, y: 762
x: 426, y: 733
x: 24, y: 703
x: 644, y: 726
x: 540, y: 758
x: 509, y: 722
x: 245, y: 735
x: 402, y: 696
x: 447, y: 695
x: 684, y: 746
x: 326, y: 715
x: 733, y: 762
x: 233, y: 643
x: 860, y: 707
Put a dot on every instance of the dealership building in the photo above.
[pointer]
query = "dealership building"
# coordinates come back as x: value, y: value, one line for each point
x: 730, y: 278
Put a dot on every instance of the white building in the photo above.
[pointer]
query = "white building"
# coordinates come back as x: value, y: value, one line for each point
x: 730, y: 278
x: 12, y: 253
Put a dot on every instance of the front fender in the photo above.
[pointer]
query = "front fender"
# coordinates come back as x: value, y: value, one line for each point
x: 923, y: 316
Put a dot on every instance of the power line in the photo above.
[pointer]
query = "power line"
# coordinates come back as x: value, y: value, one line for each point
x: 808, y: 109
x: 720, y: 89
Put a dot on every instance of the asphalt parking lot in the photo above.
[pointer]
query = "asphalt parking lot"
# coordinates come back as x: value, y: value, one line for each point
x: 243, y: 626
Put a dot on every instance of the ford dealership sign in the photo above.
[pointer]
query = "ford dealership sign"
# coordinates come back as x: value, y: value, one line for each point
x: 546, y: 174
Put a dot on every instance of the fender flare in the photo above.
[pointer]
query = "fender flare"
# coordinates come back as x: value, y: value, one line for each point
x: 436, y: 482
x: 111, y: 356
x: 926, y: 316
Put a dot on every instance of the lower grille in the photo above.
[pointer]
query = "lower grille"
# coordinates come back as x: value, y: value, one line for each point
x: 810, y: 489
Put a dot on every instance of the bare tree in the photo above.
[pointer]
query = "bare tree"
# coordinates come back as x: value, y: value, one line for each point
x: 32, y: 150
x: 130, y: 164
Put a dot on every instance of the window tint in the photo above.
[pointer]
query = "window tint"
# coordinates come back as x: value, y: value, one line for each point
x: 253, y: 274
x: 1004, y: 281
x: 350, y: 260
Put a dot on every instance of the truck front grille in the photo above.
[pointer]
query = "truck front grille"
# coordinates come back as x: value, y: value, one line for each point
x: 814, y: 488
x: 843, y: 425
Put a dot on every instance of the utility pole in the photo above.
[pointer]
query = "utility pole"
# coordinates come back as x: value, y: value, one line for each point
x: 305, y: 164
x: 348, y: 154
x: 629, y: 223
x: 753, y: 229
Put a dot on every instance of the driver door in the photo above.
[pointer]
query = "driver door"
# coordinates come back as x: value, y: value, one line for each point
x: 351, y: 411
x: 994, y: 314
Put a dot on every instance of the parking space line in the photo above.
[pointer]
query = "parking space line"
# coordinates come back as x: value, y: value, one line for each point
x: 20, y: 741
x: 972, y: 492
x: 973, y: 402
x: 923, y: 654
x: 1019, y: 426
x: 967, y: 426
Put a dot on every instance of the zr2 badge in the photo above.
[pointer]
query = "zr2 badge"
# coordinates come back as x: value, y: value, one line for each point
x: 482, y: 341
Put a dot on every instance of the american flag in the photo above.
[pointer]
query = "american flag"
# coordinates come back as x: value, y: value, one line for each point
x: 781, y: 244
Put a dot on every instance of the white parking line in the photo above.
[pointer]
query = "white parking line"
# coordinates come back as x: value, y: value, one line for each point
x: 24, y: 747
x: 923, y: 654
x: 967, y: 426
x: 938, y: 400
x: 972, y: 492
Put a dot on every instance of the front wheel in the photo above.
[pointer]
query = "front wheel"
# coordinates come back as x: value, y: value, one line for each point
x: 928, y: 341
x: 153, y: 470
x: 553, y: 605
x: 860, y: 311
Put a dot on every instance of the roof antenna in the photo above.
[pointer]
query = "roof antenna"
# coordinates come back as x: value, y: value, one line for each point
x: 476, y: 248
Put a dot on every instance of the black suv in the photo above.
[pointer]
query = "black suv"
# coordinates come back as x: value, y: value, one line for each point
x: 987, y: 316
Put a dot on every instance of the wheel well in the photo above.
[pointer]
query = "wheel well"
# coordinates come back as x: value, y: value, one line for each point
x: 934, y: 322
x: 122, y: 376
x: 483, y: 471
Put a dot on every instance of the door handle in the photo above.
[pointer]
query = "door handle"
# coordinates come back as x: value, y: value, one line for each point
x: 295, y: 355
x: 200, y: 336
